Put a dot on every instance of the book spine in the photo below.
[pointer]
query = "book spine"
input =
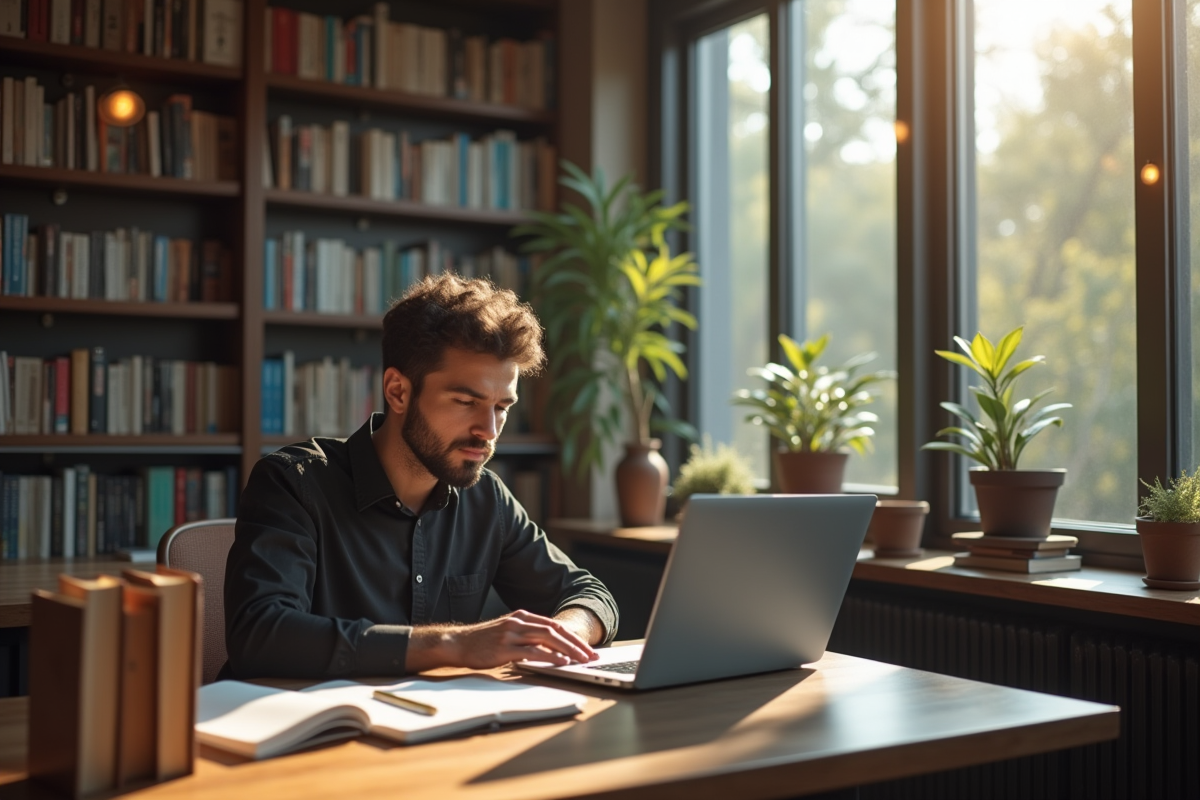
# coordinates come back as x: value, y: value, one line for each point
x: 98, y: 411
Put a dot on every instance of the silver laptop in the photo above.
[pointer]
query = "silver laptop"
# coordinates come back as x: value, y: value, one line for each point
x: 753, y: 584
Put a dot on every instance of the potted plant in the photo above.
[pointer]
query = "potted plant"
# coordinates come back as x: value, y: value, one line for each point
x: 1168, y: 526
x: 815, y: 414
x: 709, y: 470
x: 896, y: 527
x: 608, y: 292
x: 1012, y: 502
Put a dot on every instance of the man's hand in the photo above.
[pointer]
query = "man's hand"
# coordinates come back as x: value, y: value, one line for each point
x: 518, y: 636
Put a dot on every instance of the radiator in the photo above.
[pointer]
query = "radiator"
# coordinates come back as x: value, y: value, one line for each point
x: 1156, y: 682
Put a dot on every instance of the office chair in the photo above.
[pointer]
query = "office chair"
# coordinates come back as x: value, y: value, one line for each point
x: 202, y: 547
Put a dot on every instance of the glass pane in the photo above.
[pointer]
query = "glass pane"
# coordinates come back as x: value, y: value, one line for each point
x: 732, y: 206
x: 844, y: 231
x: 1192, y: 29
x: 1055, y: 230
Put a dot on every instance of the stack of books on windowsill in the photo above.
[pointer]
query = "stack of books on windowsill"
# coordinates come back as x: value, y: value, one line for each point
x: 1017, y: 554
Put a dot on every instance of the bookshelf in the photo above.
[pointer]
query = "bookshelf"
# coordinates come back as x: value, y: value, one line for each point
x: 145, y: 185
x: 243, y: 214
x: 388, y: 99
x: 26, y: 53
x: 395, y: 209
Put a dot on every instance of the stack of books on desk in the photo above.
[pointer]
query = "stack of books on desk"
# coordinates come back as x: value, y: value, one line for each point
x: 113, y: 669
x: 1017, y: 554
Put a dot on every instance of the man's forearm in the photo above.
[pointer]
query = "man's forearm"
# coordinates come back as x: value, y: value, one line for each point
x: 583, y: 622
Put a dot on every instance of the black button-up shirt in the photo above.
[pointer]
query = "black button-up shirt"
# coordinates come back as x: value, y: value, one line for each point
x: 329, y: 571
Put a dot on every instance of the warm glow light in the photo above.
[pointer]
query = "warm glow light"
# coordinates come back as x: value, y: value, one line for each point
x: 901, y: 131
x: 1150, y: 174
x: 122, y: 107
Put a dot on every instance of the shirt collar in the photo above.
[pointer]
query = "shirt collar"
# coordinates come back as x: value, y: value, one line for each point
x: 371, y: 483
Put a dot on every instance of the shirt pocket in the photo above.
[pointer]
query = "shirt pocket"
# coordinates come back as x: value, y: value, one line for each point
x: 467, y: 593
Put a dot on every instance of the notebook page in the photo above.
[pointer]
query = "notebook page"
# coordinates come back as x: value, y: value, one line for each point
x: 462, y: 703
x: 258, y: 721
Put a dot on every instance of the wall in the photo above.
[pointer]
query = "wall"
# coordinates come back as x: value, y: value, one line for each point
x: 604, y: 77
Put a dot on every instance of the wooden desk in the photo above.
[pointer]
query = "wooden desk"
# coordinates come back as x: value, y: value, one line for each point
x: 844, y: 722
x: 19, y: 578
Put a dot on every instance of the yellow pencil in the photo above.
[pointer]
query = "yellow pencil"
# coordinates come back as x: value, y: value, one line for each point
x: 405, y: 702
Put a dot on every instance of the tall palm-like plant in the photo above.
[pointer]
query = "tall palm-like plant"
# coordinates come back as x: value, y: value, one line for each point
x: 607, y: 292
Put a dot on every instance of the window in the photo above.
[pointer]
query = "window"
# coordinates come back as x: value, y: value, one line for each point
x: 841, y: 263
x: 1053, y: 230
x: 732, y: 213
x: 843, y: 227
x: 1018, y: 195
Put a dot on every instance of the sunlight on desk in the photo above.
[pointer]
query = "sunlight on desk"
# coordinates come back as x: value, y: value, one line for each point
x: 1068, y: 583
x: 931, y: 564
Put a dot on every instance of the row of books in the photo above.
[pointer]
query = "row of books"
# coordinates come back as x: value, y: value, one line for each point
x: 114, y: 667
x: 318, y: 398
x: 176, y: 141
x: 331, y: 277
x: 494, y: 172
x: 125, y: 264
x: 371, y: 50
x: 84, y: 393
x: 197, y: 30
x: 77, y: 512
x: 1016, y: 553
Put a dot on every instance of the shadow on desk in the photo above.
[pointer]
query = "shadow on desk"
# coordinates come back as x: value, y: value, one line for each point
x: 640, y: 723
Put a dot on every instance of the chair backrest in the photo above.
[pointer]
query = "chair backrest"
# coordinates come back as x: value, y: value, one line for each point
x: 202, y: 547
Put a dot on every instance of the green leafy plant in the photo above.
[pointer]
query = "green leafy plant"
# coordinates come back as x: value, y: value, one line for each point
x: 608, y: 291
x: 709, y: 470
x: 814, y: 408
x: 1178, y: 501
x: 997, y: 438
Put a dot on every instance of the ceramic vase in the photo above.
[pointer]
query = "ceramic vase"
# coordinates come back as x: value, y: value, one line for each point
x: 642, y: 484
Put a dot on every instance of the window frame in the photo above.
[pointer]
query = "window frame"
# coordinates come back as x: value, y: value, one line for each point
x: 934, y: 184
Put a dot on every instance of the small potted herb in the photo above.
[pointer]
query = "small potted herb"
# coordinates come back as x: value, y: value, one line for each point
x: 1168, y: 526
x: 1012, y: 502
x: 815, y: 413
x: 709, y: 470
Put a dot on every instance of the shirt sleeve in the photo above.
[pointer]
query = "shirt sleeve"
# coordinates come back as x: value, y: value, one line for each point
x: 270, y: 630
x: 533, y: 574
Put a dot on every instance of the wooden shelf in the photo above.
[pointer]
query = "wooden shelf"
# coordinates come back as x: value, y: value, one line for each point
x: 404, y: 209
x: 61, y: 305
x: 425, y: 105
x: 190, y: 444
x: 111, y: 62
x: 55, y: 178
x: 312, y: 319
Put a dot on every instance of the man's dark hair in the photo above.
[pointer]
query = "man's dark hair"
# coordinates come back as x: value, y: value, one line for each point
x: 474, y: 315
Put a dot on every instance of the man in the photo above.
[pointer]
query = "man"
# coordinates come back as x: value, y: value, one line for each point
x: 373, y: 555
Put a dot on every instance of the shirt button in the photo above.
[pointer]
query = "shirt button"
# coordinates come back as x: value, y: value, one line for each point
x: 419, y: 579
x: 399, y: 504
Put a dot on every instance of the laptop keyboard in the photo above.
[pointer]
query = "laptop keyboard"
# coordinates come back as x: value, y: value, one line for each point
x: 623, y: 667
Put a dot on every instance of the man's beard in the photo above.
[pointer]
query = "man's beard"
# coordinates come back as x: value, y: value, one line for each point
x: 439, y: 461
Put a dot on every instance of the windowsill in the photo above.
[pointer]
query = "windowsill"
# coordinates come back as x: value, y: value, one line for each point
x: 1102, y: 589
x: 1098, y: 589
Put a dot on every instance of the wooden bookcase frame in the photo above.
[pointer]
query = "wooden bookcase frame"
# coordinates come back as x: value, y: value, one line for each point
x: 254, y: 86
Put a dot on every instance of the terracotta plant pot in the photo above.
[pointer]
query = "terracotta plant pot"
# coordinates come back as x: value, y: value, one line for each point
x: 810, y: 473
x: 642, y: 485
x: 896, y: 527
x: 1016, y: 502
x: 1171, y: 551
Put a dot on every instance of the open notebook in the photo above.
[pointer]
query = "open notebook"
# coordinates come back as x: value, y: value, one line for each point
x: 260, y: 722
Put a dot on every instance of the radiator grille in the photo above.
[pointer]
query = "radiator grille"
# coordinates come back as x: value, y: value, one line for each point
x: 1156, y: 682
